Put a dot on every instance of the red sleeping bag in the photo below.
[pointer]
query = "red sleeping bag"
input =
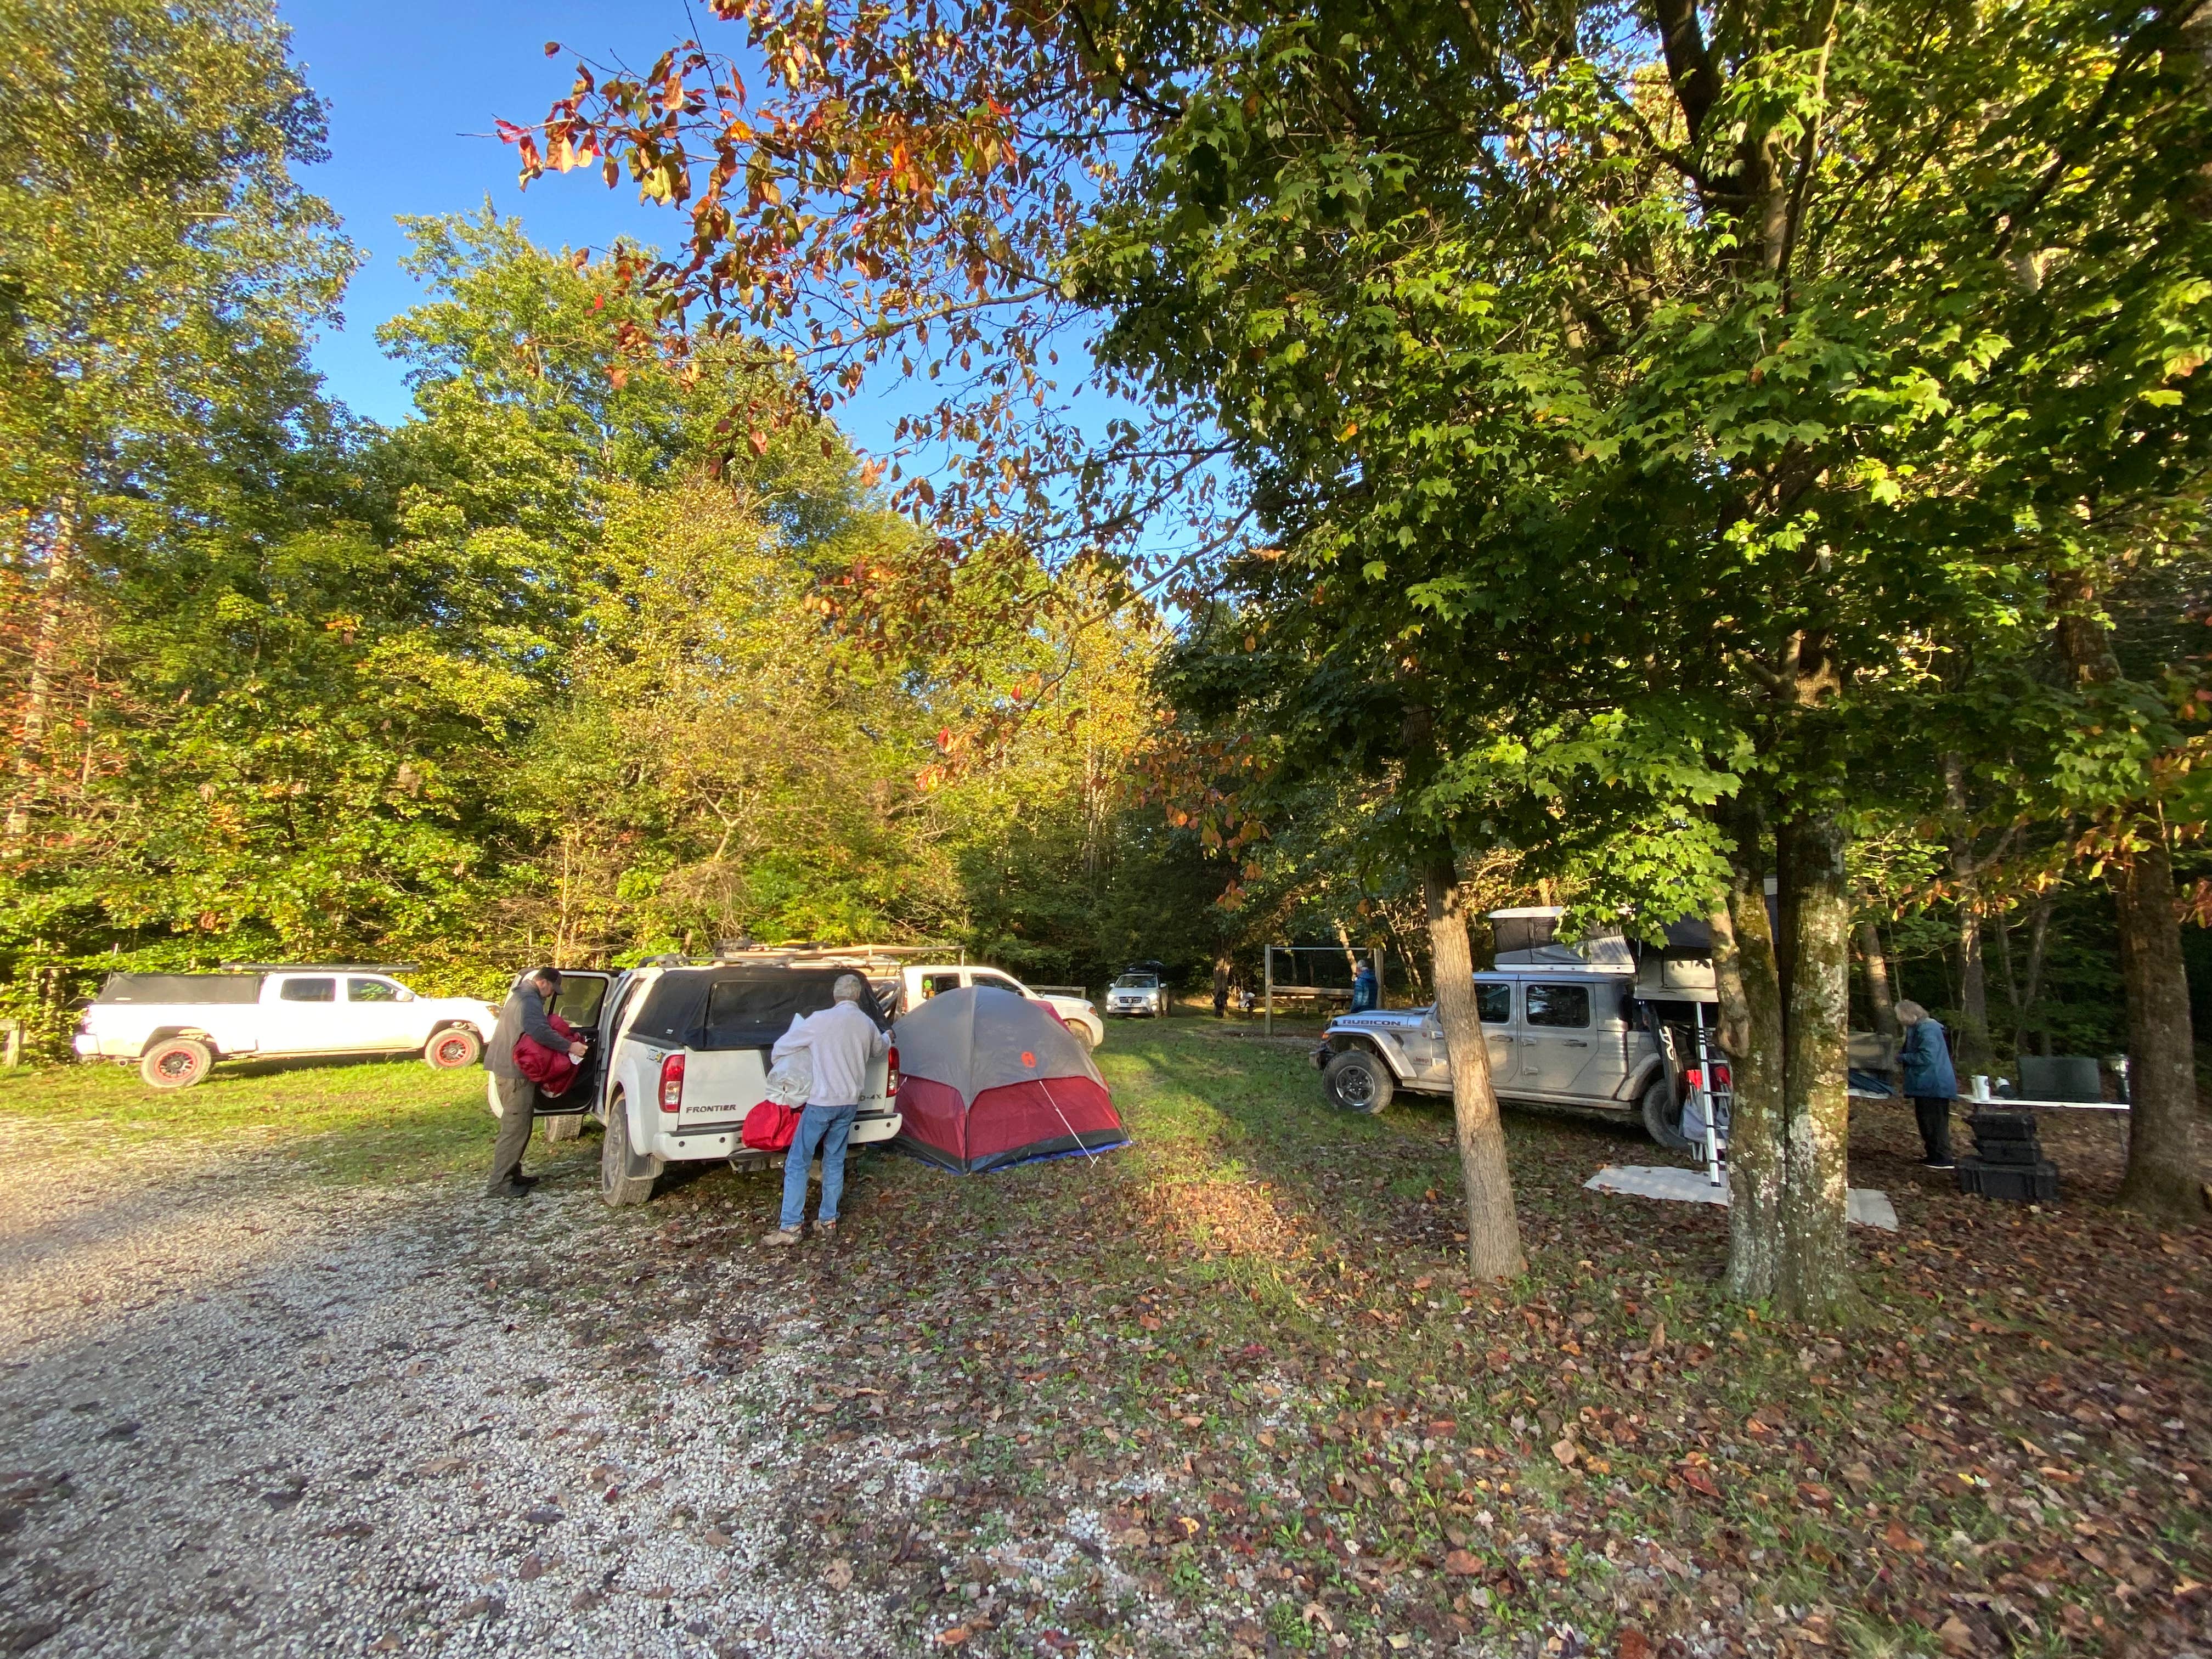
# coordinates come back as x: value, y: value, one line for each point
x: 550, y: 1069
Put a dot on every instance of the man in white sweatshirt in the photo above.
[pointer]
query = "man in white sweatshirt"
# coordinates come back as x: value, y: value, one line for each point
x: 842, y: 1041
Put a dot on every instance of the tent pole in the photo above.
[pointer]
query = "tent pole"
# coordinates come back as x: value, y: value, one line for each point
x: 1271, y: 991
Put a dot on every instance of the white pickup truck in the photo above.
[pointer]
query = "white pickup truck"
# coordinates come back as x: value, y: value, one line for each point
x: 176, y: 1026
x: 922, y: 982
x: 678, y: 1054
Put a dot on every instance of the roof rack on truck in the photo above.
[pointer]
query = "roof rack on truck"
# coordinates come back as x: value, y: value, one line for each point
x: 320, y: 967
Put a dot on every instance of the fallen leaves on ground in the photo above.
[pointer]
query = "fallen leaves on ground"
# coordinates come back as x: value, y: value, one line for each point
x: 1233, y: 1388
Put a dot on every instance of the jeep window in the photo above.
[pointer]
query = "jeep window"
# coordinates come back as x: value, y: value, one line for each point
x: 373, y: 990
x: 1495, y: 1003
x: 309, y: 990
x: 1559, y: 1004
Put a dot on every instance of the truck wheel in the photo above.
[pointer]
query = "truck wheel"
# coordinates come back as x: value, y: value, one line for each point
x: 1356, y: 1081
x: 618, y: 1186
x: 176, y: 1063
x: 1662, y: 1116
x: 451, y: 1048
x: 566, y: 1127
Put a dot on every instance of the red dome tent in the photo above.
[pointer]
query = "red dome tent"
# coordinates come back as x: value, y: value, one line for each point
x: 988, y: 1078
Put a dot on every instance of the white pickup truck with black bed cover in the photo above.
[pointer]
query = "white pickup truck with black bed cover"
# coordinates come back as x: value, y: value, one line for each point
x: 678, y: 1053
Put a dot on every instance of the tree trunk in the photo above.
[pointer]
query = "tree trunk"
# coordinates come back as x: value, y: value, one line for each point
x: 1350, y: 951
x: 2164, y: 1177
x: 2164, y: 1174
x: 1814, y: 1283
x: 1972, y: 1039
x: 1751, y: 1031
x: 46, y: 657
x: 1493, y: 1231
x: 1878, y: 994
x: 1974, y: 1033
x: 1877, y: 973
x: 2039, y: 939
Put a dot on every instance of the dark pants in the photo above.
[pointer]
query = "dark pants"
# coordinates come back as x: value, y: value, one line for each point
x: 1935, y: 1115
x: 518, y: 1108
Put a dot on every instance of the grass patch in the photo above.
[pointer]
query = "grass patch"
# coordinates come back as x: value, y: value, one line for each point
x: 347, y: 1121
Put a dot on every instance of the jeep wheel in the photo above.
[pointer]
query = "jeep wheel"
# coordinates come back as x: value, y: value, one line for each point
x: 1662, y: 1116
x: 618, y: 1186
x: 451, y: 1048
x: 1356, y: 1081
x: 176, y: 1063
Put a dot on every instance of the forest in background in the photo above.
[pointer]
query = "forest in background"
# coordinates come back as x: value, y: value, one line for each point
x: 545, y: 671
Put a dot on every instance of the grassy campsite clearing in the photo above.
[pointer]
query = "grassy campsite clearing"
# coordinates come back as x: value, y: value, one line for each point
x: 1224, y: 1392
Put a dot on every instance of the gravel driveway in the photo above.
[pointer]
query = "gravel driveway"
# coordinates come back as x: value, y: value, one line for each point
x: 246, y: 1413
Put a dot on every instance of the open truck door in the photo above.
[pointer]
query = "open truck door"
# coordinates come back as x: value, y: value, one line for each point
x: 582, y: 1001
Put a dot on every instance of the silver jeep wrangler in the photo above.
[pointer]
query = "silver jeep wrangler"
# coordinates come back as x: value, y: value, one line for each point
x: 1602, y: 1025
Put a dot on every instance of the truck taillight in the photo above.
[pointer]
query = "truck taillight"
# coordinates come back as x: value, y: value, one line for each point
x: 890, y: 1074
x: 671, y: 1084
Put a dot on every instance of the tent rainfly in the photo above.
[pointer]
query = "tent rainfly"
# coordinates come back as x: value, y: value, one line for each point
x: 988, y: 1078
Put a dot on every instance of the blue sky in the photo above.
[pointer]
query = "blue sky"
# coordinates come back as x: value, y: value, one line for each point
x: 412, y: 89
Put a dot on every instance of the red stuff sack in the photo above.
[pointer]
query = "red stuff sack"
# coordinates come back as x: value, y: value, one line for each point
x: 771, y: 1126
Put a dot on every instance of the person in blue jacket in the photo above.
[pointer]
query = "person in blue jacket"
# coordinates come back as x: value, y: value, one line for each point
x: 1365, y: 994
x: 1928, y: 1081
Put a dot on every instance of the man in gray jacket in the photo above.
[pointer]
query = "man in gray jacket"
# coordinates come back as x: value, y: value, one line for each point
x: 524, y: 1014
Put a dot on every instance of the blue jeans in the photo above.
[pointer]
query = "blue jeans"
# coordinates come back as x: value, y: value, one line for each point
x: 824, y: 1129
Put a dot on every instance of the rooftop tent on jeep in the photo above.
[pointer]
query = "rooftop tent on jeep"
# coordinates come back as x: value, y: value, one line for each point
x: 230, y: 989
x: 743, y: 1006
x: 988, y: 1078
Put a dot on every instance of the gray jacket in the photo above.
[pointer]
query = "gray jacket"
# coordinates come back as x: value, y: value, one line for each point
x: 523, y: 1014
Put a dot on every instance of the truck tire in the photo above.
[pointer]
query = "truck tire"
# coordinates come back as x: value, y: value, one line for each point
x: 567, y: 1126
x: 176, y: 1063
x: 451, y: 1048
x: 1662, y: 1116
x: 1358, y: 1081
x: 618, y: 1185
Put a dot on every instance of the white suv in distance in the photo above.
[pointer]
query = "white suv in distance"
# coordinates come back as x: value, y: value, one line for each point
x: 680, y: 1053
x: 1140, y: 991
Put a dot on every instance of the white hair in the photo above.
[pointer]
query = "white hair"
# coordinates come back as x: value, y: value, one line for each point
x: 849, y: 988
x: 1909, y: 1011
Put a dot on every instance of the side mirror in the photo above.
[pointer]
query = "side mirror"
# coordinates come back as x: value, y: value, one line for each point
x: 406, y: 995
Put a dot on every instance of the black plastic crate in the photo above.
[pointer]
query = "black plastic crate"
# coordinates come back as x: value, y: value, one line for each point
x: 2038, y: 1184
x: 2003, y: 1126
x: 2012, y: 1154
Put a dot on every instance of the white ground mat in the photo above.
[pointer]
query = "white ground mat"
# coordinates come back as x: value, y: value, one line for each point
x: 1868, y: 1207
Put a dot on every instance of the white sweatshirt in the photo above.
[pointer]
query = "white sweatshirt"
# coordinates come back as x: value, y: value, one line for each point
x: 841, y: 1040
